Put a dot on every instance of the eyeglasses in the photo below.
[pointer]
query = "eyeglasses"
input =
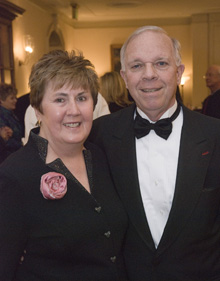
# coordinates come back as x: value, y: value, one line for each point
x: 210, y: 75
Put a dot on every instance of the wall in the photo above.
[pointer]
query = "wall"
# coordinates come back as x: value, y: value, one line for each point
x: 35, y: 22
x: 199, y: 37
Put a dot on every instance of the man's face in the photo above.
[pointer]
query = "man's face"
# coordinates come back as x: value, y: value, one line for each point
x: 151, y: 74
x: 212, y: 77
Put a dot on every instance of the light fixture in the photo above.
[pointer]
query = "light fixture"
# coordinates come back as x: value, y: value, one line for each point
x: 28, y: 48
x: 75, y: 9
x: 184, y: 79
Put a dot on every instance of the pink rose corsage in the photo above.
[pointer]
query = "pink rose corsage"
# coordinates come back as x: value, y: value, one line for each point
x: 53, y: 185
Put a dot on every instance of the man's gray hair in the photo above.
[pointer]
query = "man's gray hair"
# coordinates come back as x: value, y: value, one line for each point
x: 175, y: 42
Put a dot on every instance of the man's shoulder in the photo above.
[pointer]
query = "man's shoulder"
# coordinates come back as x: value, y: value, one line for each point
x: 117, y: 116
x: 107, y: 125
x: 216, y: 95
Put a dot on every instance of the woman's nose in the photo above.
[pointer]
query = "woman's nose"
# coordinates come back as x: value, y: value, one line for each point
x: 73, y: 108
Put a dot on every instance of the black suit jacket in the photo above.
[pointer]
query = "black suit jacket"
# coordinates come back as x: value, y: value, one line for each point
x: 189, y: 249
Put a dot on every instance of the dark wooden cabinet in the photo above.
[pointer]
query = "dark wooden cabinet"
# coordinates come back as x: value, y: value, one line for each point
x: 8, y: 12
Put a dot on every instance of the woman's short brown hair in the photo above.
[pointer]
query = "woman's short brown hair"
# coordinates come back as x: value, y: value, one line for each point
x: 62, y: 68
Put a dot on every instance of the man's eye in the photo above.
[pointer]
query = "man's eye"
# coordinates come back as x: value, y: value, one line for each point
x: 135, y: 66
x: 161, y: 65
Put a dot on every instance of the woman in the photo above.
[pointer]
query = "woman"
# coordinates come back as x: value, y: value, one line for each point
x: 113, y: 89
x: 60, y: 217
x: 8, y: 102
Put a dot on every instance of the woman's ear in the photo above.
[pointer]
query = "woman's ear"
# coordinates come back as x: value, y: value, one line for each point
x: 38, y: 115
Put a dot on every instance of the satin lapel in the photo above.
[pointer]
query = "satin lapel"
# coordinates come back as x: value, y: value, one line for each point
x: 194, y: 156
x: 124, y: 170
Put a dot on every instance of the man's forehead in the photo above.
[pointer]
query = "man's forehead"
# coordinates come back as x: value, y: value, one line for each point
x: 212, y: 70
x: 152, y: 40
x: 152, y: 34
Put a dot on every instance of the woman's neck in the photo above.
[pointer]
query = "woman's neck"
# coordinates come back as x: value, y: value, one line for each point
x: 65, y: 153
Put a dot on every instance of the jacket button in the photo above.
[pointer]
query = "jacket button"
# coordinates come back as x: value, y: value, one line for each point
x: 98, y: 209
x: 107, y: 234
x: 113, y: 259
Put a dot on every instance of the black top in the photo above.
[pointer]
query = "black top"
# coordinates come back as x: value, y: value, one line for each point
x: 3, y: 150
x: 113, y: 107
x: 21, y: 106
x: 211, y: 105
x: 76, y: 238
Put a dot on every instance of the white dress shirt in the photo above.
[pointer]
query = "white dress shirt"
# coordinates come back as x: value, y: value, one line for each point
x: 157, y: 161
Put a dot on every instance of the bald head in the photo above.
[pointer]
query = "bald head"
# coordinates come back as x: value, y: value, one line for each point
x: 212, y: 78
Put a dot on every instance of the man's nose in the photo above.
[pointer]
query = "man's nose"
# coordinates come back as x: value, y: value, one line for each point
x: 149, y: 71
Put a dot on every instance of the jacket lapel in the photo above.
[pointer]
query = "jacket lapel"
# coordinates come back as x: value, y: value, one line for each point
x: 194, y: 157
x: 124, y: 170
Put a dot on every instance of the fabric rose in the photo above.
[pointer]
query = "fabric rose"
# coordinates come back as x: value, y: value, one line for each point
x: 53, y: 185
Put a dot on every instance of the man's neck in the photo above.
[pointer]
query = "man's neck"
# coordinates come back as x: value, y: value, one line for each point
x: 153, y: 118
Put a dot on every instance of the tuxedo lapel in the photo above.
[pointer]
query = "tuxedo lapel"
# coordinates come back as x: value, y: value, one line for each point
x: 124, y: 170
x: 194, y: 157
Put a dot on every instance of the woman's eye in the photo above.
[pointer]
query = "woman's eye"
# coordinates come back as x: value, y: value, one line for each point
x: 59, y: 100
x: 82, y: 98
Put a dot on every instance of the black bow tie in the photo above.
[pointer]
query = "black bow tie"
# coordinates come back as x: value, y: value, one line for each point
x: 162, y: 127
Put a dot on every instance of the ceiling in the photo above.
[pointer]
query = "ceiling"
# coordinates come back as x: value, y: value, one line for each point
x: 121, y: 12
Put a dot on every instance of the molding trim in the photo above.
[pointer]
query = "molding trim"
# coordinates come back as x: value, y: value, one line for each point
x: 126, y: 23
x: 9, y: 10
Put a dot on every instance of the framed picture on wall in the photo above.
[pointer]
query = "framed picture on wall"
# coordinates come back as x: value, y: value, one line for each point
x: 115, y: 57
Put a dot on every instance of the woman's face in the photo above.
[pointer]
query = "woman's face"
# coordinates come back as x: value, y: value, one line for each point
x: 67, y: 115
x: 10, y: 102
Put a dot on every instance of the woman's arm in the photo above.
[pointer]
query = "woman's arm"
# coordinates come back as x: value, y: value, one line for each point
x: 12, y: 227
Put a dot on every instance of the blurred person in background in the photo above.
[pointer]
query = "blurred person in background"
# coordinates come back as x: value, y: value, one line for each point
x: 113, y: 89
x: 5, y: 134
x: 211, y: 105
x: 8, y: 102
x: 21, y: 106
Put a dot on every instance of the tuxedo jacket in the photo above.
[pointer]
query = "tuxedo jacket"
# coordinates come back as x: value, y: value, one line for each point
x: 79, y: 237
x: 189, y: 249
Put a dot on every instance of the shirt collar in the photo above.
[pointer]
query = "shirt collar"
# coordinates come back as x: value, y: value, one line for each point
x: 166, y: 114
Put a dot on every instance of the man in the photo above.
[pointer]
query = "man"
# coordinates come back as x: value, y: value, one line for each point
x: 170, y: 185
x: 211, y: 105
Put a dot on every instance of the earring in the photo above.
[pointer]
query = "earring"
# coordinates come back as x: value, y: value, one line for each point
x: 38, y: 124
